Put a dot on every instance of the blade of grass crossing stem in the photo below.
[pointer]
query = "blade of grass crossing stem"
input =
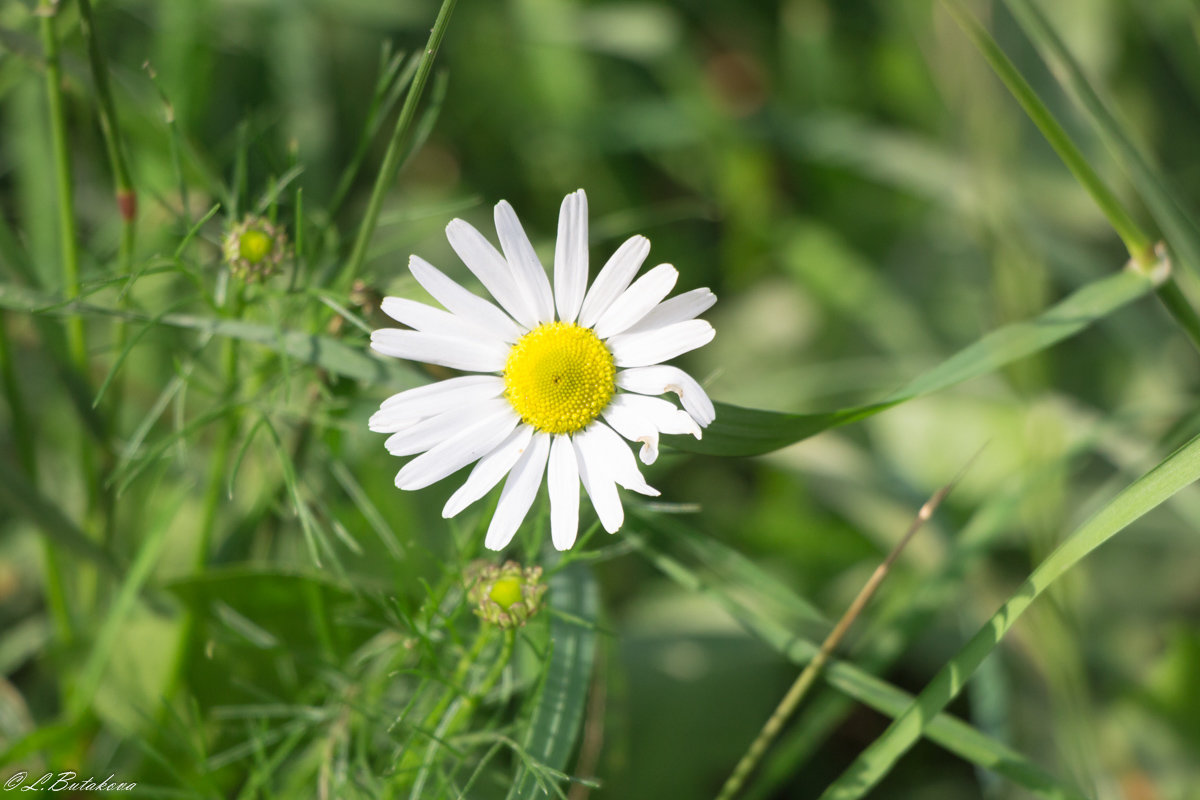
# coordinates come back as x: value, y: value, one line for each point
x: 1140, y: 246
x: 560, y: 700
x: 950, y: 733
x: 395, y: 150
x: 135, y: 578
x: 1168, y: 210
x: 1177, y: 471
x: 745, y: 432
x: 1137, y: 242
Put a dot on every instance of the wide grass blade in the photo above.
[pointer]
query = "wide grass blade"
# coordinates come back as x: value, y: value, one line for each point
x: 1177, y: 471
x: 748, y: 432
x: 949, y: 732
x: 560, y: 699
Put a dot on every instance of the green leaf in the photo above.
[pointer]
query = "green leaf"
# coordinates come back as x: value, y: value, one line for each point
x: 559, y: 703
x: 953, y: 734
x: 1177, y: 471
x: 749, y: 432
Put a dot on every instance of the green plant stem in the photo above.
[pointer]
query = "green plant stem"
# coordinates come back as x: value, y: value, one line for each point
x: 125, y: 194
x: 56, y: 596
x: 456, y: 706
x: 1140, y: 245
x: 808, y: 676
x: 1142, y: 251
x: 68, y: 236
x: 395, y: 150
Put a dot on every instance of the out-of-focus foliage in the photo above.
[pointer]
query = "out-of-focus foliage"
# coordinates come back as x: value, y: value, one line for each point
x: 866, y: 200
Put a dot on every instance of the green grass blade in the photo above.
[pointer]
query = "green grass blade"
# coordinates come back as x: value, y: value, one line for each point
x: 747, y: 432
x: 1177, y: 471
x: 953, y: 734
x: 559, y: 702
x: 1136, y: 241
x: 1180, y: 231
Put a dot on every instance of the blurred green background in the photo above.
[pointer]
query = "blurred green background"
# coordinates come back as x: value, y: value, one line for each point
x: 863, y: 196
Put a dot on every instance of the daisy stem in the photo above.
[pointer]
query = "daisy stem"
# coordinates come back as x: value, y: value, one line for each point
x: 456, y: 704
x: 395, y: 150
x: 1142, y: 251
x: 808, y: 676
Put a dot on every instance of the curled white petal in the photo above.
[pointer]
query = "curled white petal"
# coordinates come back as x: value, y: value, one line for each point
x: 660, y: 413
x: 635, y: 428
x: 571, y: 256
x: 473, y: 355
x: 662, y: 378
x: 518, y: 493
x: 562, y: 483
x: 634, y: 302
x: 619, y: 460
x: 653, y: 347
x: 613, y: 278
x: 488, y: 472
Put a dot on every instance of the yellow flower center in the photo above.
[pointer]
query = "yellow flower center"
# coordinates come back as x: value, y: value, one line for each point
x: 559, y: 377
x: 254, y: 245
x: 505, y: 592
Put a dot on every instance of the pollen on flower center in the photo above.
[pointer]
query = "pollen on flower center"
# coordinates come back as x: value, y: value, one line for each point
x: 559, y: 377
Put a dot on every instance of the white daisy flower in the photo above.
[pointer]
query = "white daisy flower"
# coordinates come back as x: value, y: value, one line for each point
x: 565, y: 373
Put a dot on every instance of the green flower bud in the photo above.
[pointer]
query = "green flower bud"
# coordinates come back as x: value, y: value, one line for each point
x: 505, y: 595
x: 254, y: 247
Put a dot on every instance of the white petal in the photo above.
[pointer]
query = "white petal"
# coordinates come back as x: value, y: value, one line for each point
x: 571, y: 257
x: 462, y: 448
x: 652, y: 347
x: 488, y: 472
x: 688, y: 305
x: 413, y: 405
x: 598, y: 482
x: 428, y: 319
x: 636, y: 428
x: 661, y: 414
x: 527, y: 270
x: 458, y: 300
x: 449, y: 351
x: 427, y: 433
x: 619, y: 460
x: 562, y: 481
x: 613, y: 278
x: 518, y: 493
x: 634, y: 302
x: 491, y: 269
x: 661, y: 379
